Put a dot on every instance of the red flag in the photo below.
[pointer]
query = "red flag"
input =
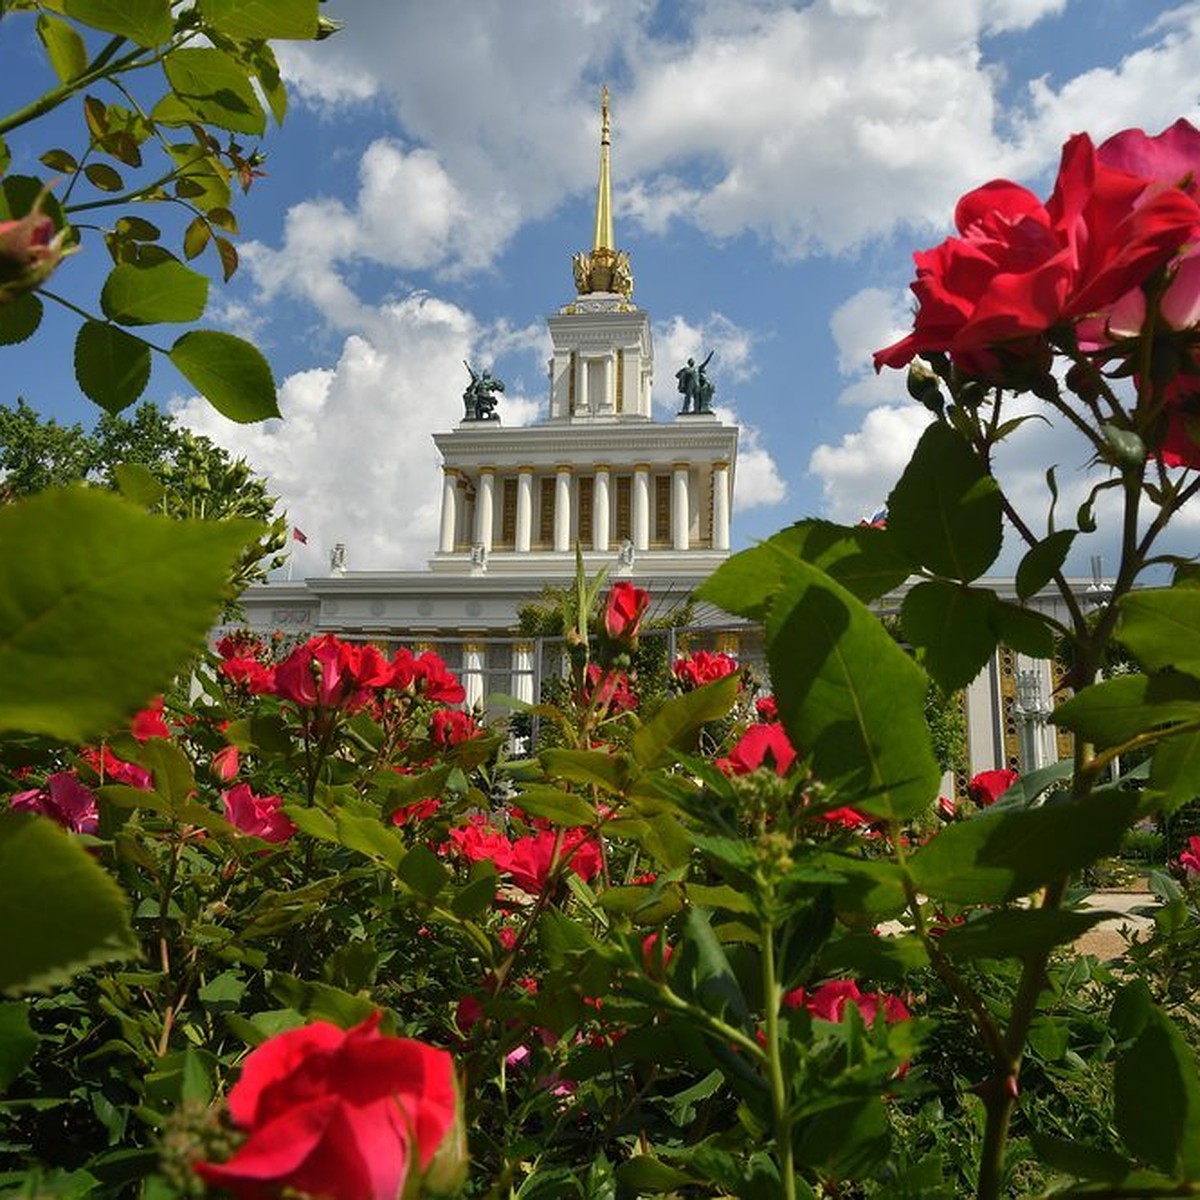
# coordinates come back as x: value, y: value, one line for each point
x: 298, y: 535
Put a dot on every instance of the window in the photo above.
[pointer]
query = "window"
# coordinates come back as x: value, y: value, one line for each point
x: 586, y: 493
x: 624, y: 529
x: 546, y: 512
x: 508, y: 513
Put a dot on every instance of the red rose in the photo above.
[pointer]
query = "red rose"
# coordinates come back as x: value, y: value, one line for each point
x: 623, y: 614
x: 149, y: 723
x: 988, y: 786
x: 1171, y: 157
x: 695, y: 670
x: 449, y: 726
x: 1018, y: 267
x: 328, y: 673
x: 609, y: 689
x: 345, y: 1115
x: 435, y: 680
x: 758, y: 744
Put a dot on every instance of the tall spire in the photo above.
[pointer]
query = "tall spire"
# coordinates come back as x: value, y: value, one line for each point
x: 605, y: 269
x: 603, y: 239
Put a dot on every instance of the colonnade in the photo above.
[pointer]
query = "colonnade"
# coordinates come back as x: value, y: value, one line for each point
x: 609, y: 522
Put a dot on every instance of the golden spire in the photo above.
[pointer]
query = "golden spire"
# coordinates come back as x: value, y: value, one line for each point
x: 603, y: 239
x: 605, y: 269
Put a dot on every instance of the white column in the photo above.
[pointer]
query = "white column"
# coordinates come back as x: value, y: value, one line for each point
x: 562, y: 507
x: 449, y: 511
x: 600, y: 508
x: 524, y: 509
x: 522, y: 672
x: 581, y: 384
x: 720, y: 509
x: 641, y: 507
x: 483, y: 507
x: 472, y: 674
x: 608, y: 400
x: 680, y: 509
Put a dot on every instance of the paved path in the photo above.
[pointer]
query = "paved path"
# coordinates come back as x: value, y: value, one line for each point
x: 1106, y: 940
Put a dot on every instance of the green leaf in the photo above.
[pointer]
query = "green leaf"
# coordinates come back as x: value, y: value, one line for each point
x: 1022, y: 629
x: 599, y: 768
x: 1115, y: 710
x: 104, y: 177
x: 701, y: 972
x: 676, y: 725
x: 147, y: 22
x: 64, y: 47
x: 112, y: 367
x: 195, y: 237
x: 1042, y: 562
x: 1157, y: 1090
x: 17, y: 1041
x: 1079, y: 1160
x: 422, y: 871
x: 230, y: 373
x: 1018, y: 933
x: 60, y: 160
x: 20, y: 318
x: 1161, y: 626
x: 865, y: 561
x: 136, y: 483
x: 946, y: 511
x: 850, y: 697
x: 261, y: 19
x: 138, y: 229
x: 1175, y: 770
x: 952, y: 625
x: 204, y: 179
x: 134, y: 294
x: 561, y: 808
x: 216, y: 89
x: 100, y: 604
x: 999, y: 856
x: 59, y: 910
x: 646, y: 1176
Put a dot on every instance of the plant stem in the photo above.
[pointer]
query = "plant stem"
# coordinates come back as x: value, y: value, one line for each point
x: 780, y: 1106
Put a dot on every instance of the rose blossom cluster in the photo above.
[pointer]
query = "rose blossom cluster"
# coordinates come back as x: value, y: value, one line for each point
x: 527, y: 860
x: 328, y: 673
x: 69, y: 801
x: 830, y: 1000
x: 702, y: 667
x: 346, y: 1113
x: 1023, y: 277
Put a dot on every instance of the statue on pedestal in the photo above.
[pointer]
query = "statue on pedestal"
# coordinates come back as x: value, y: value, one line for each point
x: 479, y: 399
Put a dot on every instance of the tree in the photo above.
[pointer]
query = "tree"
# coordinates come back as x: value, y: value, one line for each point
x: 154, y: 461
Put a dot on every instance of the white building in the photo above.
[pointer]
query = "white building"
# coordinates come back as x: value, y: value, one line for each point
x: 645, y: 500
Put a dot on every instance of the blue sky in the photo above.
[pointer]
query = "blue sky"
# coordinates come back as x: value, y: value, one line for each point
x: 774, y: 167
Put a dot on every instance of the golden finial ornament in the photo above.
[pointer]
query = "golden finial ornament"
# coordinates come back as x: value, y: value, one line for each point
x: 605, y: 269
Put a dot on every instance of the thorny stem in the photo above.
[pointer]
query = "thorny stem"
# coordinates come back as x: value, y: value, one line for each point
x: 780, y: 1106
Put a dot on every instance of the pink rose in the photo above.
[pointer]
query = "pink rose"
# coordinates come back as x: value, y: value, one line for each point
x: 258, y: 816
x: 348, y: 1114
x: 64, y: 800
x: 1189, y: 860
x: 30, y: 250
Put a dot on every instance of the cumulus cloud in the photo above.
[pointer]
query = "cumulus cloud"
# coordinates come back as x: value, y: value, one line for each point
x: 353, y: 459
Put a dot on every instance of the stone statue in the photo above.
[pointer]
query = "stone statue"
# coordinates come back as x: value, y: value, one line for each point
x: 695, y: 386
x: 479, y: 399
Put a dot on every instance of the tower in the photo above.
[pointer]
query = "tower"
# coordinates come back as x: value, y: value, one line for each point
x: 639, y: 496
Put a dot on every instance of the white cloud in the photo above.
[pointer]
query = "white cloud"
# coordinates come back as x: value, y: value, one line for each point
x: 757, y: 481
x: 858, y: 473
x: 353, y: 460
